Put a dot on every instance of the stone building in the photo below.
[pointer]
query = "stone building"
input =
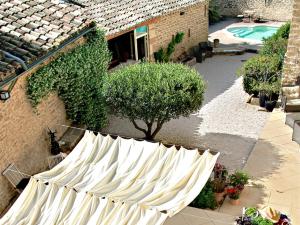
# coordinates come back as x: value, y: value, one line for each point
x: 291, y: 72
x: 279, y: 10
x: 33, y: 32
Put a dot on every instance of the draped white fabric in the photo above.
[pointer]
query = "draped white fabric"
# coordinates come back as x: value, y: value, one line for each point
x: 113, y: 181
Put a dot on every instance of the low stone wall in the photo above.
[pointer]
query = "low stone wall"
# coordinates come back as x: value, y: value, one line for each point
x: 279, y: 10
x: 193, y: 21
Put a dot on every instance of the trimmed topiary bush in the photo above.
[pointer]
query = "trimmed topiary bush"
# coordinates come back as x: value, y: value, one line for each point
x: 260, y: 69
x: 154, y: 93
x: 262, y: 73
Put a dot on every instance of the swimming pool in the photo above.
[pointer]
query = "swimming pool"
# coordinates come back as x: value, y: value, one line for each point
x: 257, y: 33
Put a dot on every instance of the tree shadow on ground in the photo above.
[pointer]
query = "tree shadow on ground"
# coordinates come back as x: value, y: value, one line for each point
x: 234, y: 149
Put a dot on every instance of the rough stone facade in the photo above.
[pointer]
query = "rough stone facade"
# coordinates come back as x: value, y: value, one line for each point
x: 23, y: 134
x: 291, y: 74
x: 279, y: 10
x: 193, y: 21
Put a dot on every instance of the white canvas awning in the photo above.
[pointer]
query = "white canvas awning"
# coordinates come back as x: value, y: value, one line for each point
x: 113, y: 181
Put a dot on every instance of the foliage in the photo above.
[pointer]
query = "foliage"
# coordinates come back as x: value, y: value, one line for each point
x: 233, y: 192
x: 206, y: 198
x: 273, y: 47
x: 261, y: 221
x: 154, y: 93
x: 77, y: 76
x: 283, y: 31
x: 251, y: 211
x: 238, y: 179
x: 213, y: 12
x: 259, y: 69
x: 269, y: 88
x: 220, y: 178
x: 165, y: 55
x: 263, y: 72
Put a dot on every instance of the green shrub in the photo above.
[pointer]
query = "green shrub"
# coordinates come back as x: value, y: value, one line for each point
x: 261, y: 221
x: 77, y: 76
x: 273, y: 47
x: 154, y: 93
x: 238, y: 178
x: 259, y: 69
x: 283, y: 31
x: 206, y: 199
x: 213, y: 12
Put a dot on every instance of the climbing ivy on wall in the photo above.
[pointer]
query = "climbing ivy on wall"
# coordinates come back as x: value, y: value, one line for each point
x: 165, y: 55
x: 77, y: 76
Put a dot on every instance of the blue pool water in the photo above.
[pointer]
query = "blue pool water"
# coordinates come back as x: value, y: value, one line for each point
x: 257, y: 33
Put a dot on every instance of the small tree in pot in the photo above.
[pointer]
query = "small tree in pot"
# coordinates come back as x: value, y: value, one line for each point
x: 154, y: 93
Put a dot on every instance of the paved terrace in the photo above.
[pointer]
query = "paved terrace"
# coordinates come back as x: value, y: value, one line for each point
x: 275, y: 167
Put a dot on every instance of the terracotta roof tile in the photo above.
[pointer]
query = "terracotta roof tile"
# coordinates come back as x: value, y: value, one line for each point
x: 30, y: 28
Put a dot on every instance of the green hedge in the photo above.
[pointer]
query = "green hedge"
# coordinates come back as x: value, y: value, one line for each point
x: 77, y: 76
x: 260, y: 68
x: 264, y: 71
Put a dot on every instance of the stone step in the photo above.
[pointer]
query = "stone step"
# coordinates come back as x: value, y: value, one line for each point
x: 296, y: 132
x: 291, y: 118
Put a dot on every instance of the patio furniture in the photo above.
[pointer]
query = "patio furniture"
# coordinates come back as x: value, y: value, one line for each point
x: 56, y: 159
x: 16, y: 178
x: 290, y: 105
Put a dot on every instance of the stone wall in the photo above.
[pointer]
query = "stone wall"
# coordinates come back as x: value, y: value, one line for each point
x: 23, y: 134
x: 279, y: 10
x: 291, y: 74
x: 193, y: 21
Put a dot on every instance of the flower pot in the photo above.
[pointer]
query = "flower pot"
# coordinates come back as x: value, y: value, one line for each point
x: 262, y: 100
x: 234, y: 201
x: 219, y: 196
x: 270, y: 105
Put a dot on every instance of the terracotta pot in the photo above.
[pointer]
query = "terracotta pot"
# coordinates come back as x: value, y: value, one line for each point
x: 219, y: 196
x: 234, y: 201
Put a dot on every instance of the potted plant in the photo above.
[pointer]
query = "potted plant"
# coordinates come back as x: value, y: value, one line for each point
x: 234, y: 195
x: 219, y: 182
x: 271, y: 91
x: 238, y: 180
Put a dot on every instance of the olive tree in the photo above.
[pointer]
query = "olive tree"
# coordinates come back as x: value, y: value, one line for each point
x: 154, y: 93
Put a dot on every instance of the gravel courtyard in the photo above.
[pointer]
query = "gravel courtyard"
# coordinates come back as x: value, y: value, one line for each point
x: 224, y: 123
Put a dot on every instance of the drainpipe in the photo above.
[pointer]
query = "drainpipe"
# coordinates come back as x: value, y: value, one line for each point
x: 47, y: 56
x: 23, y: 64
x: 8, y: 55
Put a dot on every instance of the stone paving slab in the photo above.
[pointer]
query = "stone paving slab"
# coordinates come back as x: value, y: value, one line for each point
x: 274, y: 165
x: 194, y: 216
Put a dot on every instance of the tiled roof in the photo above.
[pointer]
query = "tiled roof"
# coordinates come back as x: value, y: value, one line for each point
x: 118, y: 15
x: 30, y: 28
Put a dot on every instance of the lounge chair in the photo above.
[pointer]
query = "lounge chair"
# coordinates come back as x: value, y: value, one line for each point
x: 290, y: 105
x: 16, y: 178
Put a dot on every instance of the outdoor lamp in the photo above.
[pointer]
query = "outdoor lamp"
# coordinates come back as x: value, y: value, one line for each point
x: 4, y: 95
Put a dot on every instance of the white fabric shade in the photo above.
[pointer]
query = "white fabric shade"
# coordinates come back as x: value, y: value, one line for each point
x: 113, y: 181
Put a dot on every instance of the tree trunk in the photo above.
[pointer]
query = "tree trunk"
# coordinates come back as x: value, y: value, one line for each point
x: 149, y: 135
